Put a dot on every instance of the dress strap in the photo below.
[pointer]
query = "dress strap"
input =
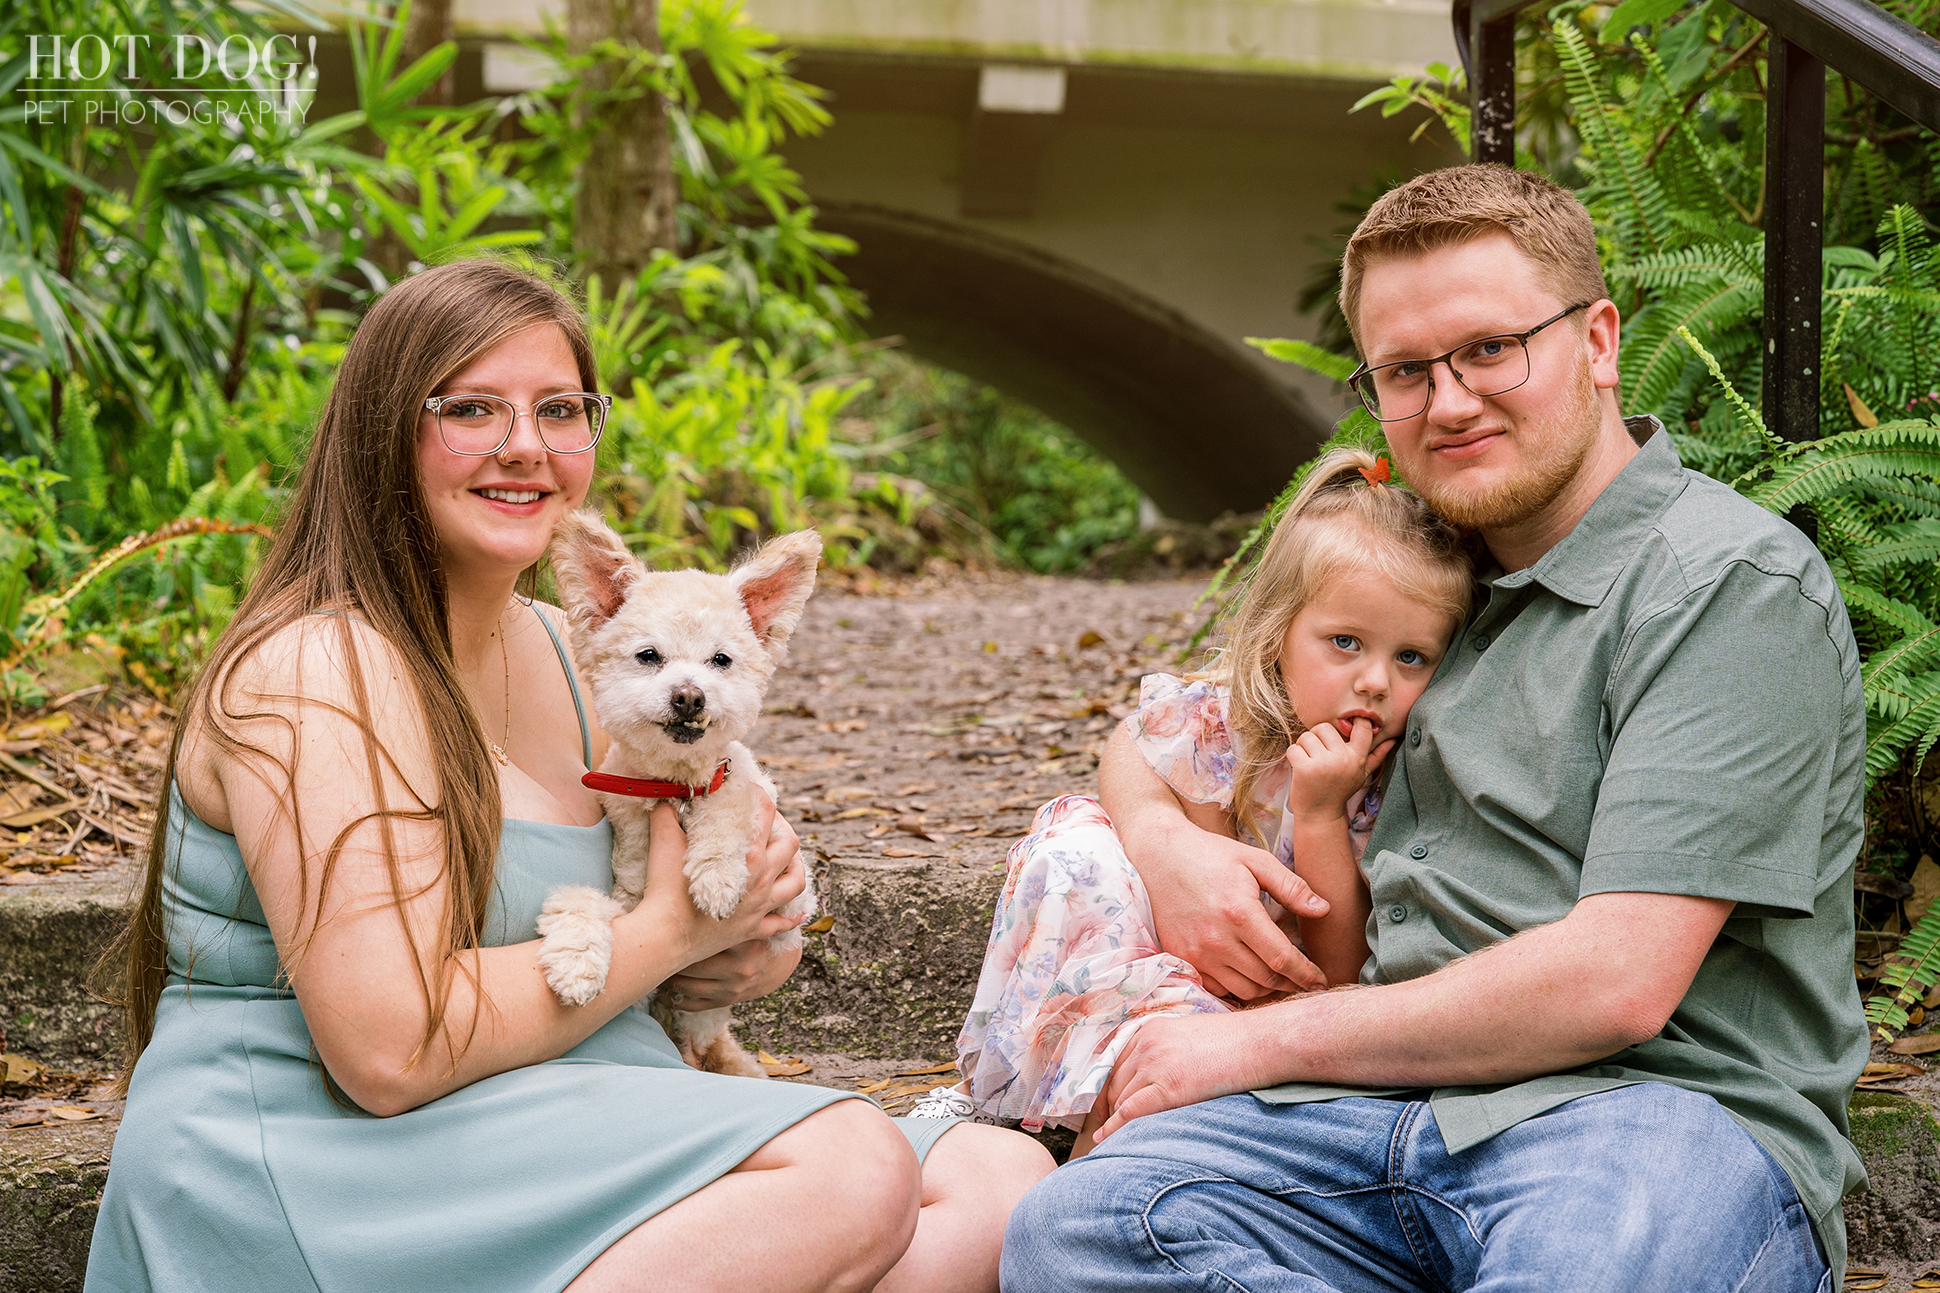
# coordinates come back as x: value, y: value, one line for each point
x: 585, y: 735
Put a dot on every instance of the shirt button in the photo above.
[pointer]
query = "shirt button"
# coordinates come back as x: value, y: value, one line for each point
x: 1481, y: 642
x: 1397, y: 913
x: 1414, y: 738
x: 1418, y: 852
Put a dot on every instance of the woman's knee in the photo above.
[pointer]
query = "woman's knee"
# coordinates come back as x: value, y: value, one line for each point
x: 989, y: 1163
x: 858, y: 1171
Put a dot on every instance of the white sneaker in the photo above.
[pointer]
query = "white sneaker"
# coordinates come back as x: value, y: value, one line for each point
x: 948, y: 1102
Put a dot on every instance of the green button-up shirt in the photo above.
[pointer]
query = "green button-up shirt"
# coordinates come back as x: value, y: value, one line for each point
x: 1667, y: 702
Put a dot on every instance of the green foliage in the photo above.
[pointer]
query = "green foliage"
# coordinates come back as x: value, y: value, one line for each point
x: 1016, y: 485
x: 173, y: 305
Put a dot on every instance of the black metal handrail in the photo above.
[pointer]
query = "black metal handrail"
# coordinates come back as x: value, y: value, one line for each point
x: 1889, y: 56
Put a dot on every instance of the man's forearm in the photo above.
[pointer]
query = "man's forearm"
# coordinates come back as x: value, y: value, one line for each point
x: 1555, y: 998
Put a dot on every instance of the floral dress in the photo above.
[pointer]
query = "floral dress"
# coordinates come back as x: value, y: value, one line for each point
x: 1073, y: 964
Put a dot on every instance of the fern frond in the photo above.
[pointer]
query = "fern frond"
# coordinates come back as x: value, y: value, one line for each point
x: 1306, y: 355
x: 1639, y: 215
x: 1653, y: 356
x: 1912, y: 968
x: 1918, y: 496
x: 1815, y: 470
x: 1913, y: 541
x: 1915, y: 651
x: 1738, y: 402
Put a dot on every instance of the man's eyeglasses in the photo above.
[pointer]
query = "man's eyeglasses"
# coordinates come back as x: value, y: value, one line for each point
x: 477, y: 425
x: 1492, y: 366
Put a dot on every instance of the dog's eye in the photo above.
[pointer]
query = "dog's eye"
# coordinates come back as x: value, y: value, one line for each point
x: 648, y: 656
x: 721, y: 660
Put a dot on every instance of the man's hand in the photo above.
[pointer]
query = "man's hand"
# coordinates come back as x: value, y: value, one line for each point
x: 1328, y: 767
x: 1206, y: 909
x: 1172, y: 1061
x: 1205, y: 888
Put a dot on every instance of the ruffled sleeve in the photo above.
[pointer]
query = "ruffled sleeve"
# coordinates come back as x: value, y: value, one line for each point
x: 1180, y: 728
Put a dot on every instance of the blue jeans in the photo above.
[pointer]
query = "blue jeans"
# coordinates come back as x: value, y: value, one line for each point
x: 1637, y: 1190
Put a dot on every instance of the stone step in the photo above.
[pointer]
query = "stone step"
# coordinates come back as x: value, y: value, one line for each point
x: 891, y: 976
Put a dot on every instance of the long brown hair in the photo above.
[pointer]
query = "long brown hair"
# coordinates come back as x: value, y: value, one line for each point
x: 1337, y: 523
x: 357, y: 536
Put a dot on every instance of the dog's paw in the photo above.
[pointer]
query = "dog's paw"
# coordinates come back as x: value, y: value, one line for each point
x: 717, y: 889
x: 577, y: 926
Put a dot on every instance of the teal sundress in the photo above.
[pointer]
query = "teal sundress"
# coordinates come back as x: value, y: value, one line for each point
x: 234, y: 1168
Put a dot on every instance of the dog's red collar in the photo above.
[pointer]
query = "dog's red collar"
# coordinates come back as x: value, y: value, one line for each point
x: 640, y: 788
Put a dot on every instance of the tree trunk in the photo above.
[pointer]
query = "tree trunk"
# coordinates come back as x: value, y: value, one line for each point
x: 428, y: 25
x: 627, y: 191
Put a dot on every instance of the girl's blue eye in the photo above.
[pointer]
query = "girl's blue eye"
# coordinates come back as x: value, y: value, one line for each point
x: 1412, y: 657
x: 1346, y: 642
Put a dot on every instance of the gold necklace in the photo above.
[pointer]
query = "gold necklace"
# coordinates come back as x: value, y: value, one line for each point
x: 505, y: 662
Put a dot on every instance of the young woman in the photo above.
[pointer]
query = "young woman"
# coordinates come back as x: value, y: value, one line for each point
x: 351, y: 1074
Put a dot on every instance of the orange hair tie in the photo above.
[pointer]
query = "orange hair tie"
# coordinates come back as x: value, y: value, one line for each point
x: 1378, y: 474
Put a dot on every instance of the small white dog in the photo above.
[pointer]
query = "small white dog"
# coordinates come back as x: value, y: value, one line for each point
x: 677, y: 662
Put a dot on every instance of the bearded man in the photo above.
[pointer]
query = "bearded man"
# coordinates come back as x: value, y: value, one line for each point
x: 1608, y: 1028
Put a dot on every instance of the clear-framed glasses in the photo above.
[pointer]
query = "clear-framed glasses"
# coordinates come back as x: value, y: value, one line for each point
x: 1491, y: 366
x: 482, y: 424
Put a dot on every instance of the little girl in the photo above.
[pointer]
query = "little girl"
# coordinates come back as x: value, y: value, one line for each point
x: 1341, y: 625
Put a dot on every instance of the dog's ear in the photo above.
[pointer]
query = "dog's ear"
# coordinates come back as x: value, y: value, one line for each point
x: 774, y: 585
x: 594, y: 568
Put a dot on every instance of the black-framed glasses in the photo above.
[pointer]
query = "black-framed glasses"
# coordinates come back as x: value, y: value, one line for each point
x: 477, y: 425
x: 1490, y: 366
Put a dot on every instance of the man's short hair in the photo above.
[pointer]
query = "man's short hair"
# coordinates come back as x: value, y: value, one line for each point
x: 1447, y: 207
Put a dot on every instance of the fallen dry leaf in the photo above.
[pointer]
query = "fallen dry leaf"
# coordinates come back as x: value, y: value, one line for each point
x: 822, y: 926
x: 913, y: 824
x: 842, y: 726
x: 1090, y: 638
x: 1880, y: 1074
x: 841, y: 793
x: 1926, y: 887
x: 777, y: 1067
x: 877, y: 831
x: 947, y: 1066
x: 18, y: 1070
x: 1924, y: 1045
x: 52, y: 725
x: 849, y: 814
x: 897, y: 851
x: 34, y: 817
x: 18, y: 799
x: 1932, y: 999
x: 917, y: 788
x: 73, y: 1112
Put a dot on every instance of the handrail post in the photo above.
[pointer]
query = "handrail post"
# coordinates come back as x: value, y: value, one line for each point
x: 1492, y: 92
x: 1794, y: 237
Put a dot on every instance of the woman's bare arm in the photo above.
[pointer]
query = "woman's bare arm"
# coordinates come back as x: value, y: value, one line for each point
x: 358, y: 955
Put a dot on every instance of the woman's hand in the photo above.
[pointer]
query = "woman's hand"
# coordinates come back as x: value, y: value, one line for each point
x: 744, y: 973
x: 1328, y: 767
x: 776, y: 877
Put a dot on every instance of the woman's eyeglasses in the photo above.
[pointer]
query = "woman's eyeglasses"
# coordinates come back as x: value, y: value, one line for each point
x: 1492, y: 366
x: 482, y: 424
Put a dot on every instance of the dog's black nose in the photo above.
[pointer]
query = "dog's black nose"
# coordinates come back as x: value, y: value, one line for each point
x: 688, y: 702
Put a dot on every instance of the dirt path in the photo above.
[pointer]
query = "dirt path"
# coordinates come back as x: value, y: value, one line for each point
x: 929, y: 719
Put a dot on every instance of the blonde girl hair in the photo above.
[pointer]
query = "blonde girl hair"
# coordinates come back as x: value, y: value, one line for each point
x: 1339, y: 522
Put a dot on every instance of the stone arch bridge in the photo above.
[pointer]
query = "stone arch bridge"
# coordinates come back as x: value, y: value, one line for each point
x: 1090, y: 203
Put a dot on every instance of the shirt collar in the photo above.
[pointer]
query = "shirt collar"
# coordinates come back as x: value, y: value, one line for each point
x: 1586, y: 562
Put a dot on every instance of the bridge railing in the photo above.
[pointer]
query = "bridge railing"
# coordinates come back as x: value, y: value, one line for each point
x: 1889, y: 56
